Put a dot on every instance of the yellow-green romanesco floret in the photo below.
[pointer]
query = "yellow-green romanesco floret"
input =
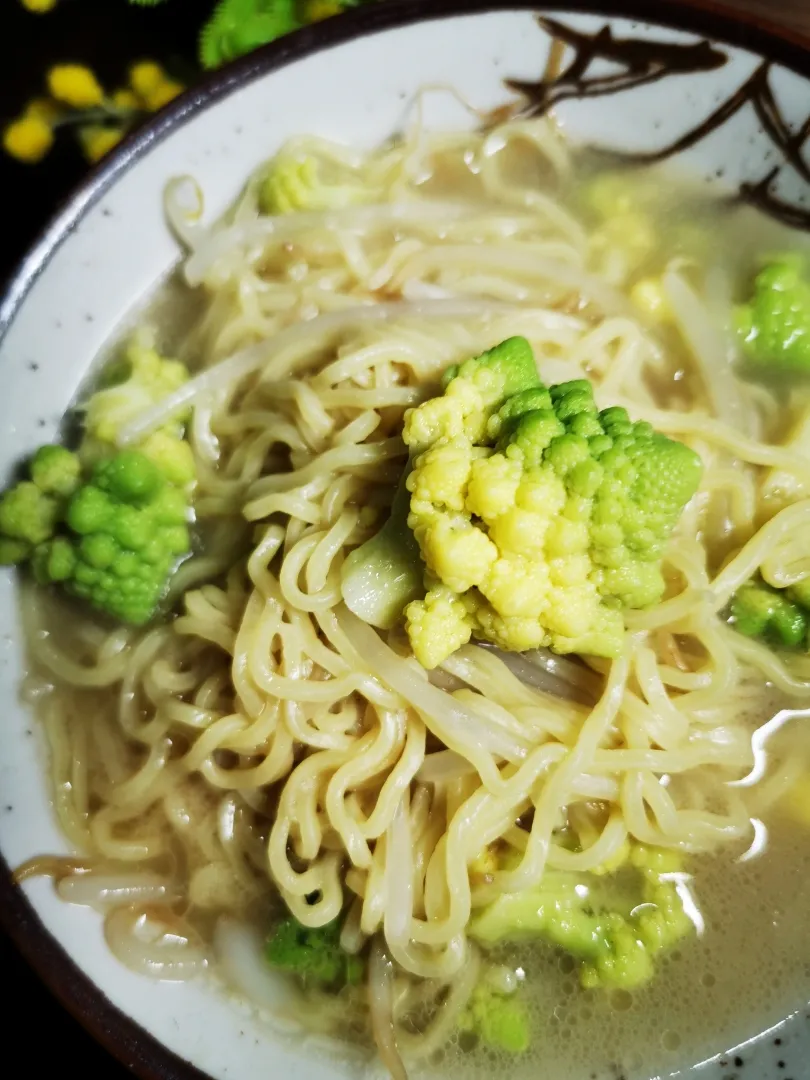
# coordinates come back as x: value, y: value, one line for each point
x: 436, y: 623
x: 301, y: 181
x: 499, y: 1019
x: 142, y: 380
x: 544, y: 516
x: 616, y: 924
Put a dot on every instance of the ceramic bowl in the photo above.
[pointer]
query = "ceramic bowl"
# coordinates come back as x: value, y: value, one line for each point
x: 730, y: 100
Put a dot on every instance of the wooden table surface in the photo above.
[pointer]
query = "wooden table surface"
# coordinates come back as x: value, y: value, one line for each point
x: 60, y: 1040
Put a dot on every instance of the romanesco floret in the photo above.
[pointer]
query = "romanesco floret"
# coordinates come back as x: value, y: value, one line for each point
x: 27, y: 514
x: 760, y: 611
x: 297, y: 181
x: 497, y: 1018
x: 108, y: 526
x: 313, y: 955
x: 30, y: 510
x: 542, y: 515
x: 774, y: 325
x: 113, y: 539
x: 616, y: 925
x: 143, y: 380
x: 56, y: 471
x: 437, y: 624
x: 125, y: 531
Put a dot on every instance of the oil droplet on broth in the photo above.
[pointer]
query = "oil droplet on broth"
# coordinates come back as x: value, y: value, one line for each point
x: 621, y: 1000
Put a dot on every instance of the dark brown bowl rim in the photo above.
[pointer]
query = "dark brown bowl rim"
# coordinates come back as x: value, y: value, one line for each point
x: 131, y: 1044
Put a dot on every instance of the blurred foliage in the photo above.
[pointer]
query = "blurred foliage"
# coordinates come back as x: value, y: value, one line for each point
x: 73, y: 97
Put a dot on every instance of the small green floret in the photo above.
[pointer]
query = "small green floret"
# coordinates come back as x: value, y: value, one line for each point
x: 760, y: 611
x: 27, y: 513
x: 301, y: 182
x: 13, y: 552
x: 616, y: 925
x: 498, y: 1019
x: 142, y: 380
x: 30, y: 511
x: 56, y: 471
x: 173, y: 456
x: 54, y: 561
x: 774, y: 326
x: 313, y: 955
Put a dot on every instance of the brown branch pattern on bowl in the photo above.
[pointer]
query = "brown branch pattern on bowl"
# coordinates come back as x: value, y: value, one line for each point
x: 642, y: 61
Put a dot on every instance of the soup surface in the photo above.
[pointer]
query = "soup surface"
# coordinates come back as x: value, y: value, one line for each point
x: 549, y: 815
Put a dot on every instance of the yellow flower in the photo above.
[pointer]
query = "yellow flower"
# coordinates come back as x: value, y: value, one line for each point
x: 42, y: 108
x: 126, y: 99
x: 145, y: 77
x: 75, y: 85
x: 163, y: 93
x: 97, y: 141
x: 39, y: 6
x: 321, y: 9
x: 28, y: 139
x: 152, y: 85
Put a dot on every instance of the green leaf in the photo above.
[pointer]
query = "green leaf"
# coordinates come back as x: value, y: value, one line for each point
x: 238, y: 27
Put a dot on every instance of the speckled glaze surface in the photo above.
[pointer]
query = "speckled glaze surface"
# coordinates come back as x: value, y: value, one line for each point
x: 729, y: 100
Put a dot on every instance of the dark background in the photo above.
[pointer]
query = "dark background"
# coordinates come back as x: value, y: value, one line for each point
x: 109, y: 35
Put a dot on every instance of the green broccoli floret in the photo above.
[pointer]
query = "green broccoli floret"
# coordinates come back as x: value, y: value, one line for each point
x: 760, y: 611
x: 615, y: 925
x: 498, y: 1019
x: 237, y: 27
x: 774, y: 326
x: 538, y: 517
x: 313, y: 955
x: 390, y: 557
x: 125, y: 530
